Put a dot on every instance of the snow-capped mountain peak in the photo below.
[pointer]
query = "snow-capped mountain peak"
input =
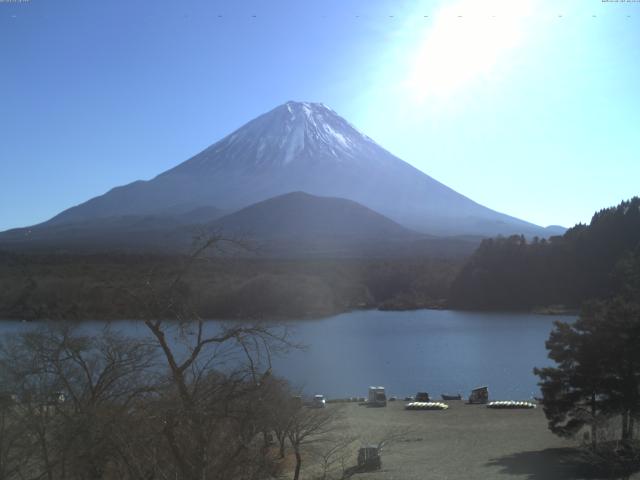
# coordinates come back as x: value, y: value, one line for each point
x: 306, y: 147
x: 291, y: 134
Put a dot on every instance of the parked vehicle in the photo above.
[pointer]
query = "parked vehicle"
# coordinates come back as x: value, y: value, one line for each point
x: 318, y: 401
x: 377, y: 397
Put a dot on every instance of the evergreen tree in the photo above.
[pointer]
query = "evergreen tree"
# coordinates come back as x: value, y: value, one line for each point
x: 587, y: 262
x: 597, y: 377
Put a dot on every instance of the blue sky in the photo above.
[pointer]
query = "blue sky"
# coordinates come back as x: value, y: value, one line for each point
x: 529, y: 107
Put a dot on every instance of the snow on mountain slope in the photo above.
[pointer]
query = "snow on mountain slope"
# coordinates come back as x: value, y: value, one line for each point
x: 304, y: 147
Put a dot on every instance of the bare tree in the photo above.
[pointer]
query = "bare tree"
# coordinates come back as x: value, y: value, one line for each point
x: 310, y: 427
x: 392, y: 436
x: 382, y: 439
x: 12, y: 437
x: 217, y: 376
x: 333, y: 456
x: 192, y: 400
x: 74, y: 390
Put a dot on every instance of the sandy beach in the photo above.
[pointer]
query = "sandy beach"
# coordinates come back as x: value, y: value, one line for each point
x: 463, y: 442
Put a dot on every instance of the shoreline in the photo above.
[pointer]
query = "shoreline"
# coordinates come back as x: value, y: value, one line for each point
x: 551, y: 310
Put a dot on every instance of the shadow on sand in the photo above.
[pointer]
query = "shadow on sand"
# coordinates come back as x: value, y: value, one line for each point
x: 548, y: 464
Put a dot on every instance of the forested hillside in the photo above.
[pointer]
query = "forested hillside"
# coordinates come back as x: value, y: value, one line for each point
x: 118, y: 286
x: 589, y: 261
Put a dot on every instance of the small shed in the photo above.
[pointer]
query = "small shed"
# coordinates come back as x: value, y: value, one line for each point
x: 369, y: 458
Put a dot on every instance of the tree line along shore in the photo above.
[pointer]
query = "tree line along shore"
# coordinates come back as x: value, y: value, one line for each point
x: 555, y: 275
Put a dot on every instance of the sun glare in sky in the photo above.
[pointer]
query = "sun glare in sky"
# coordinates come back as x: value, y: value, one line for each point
x: 464, y: 43
x: 529, y: 107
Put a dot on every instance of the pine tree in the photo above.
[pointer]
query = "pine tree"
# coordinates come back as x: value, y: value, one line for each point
x: 597, y: 377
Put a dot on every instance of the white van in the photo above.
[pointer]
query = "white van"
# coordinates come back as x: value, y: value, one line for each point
x: 377, y: 397
x: 318, y: 401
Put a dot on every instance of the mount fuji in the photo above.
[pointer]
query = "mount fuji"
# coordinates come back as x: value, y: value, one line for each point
x: 298, y: 147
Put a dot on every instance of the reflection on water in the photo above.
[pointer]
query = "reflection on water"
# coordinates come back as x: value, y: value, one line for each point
x: 427, y: 350
x: 438, y: 351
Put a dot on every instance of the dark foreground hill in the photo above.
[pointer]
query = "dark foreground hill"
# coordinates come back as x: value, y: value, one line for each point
x: 300, y: 216
x: 302, y: 225
x: 291, y: 225
x: 588, y: 262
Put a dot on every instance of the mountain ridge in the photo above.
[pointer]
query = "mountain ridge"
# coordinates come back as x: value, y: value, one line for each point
x: 292, y: 225
x: 302, y: 146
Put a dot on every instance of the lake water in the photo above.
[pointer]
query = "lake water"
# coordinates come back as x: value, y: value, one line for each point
x: 438, y: 351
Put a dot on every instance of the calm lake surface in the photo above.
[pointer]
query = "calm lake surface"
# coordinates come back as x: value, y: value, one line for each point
x: 438, y: 351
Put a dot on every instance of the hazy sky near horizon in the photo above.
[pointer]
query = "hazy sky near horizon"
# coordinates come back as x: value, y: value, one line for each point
x: 529, y: 107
